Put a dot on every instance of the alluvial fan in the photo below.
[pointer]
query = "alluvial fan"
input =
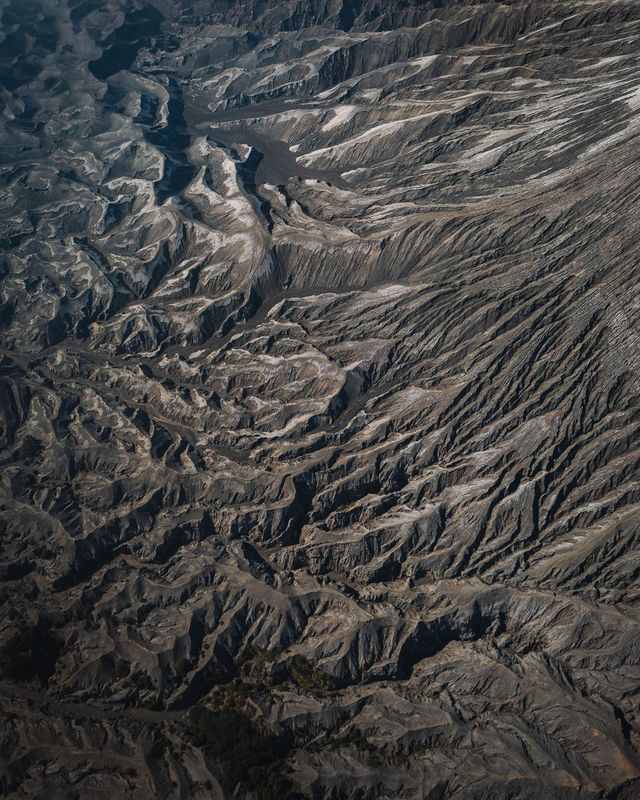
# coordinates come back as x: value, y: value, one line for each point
x: 320, y: 392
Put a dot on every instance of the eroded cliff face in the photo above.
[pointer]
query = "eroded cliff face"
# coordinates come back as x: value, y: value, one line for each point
x: 320, y: 369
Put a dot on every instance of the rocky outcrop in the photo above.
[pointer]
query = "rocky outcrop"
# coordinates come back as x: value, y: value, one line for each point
x: 319, y: 394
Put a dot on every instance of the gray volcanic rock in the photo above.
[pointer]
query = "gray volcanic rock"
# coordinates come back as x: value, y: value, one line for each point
x: 320, y: 444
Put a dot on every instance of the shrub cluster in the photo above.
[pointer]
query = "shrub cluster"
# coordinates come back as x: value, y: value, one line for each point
x: 245, y: 754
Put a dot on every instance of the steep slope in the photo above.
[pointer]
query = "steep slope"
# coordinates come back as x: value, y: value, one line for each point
x: 320, y: 399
